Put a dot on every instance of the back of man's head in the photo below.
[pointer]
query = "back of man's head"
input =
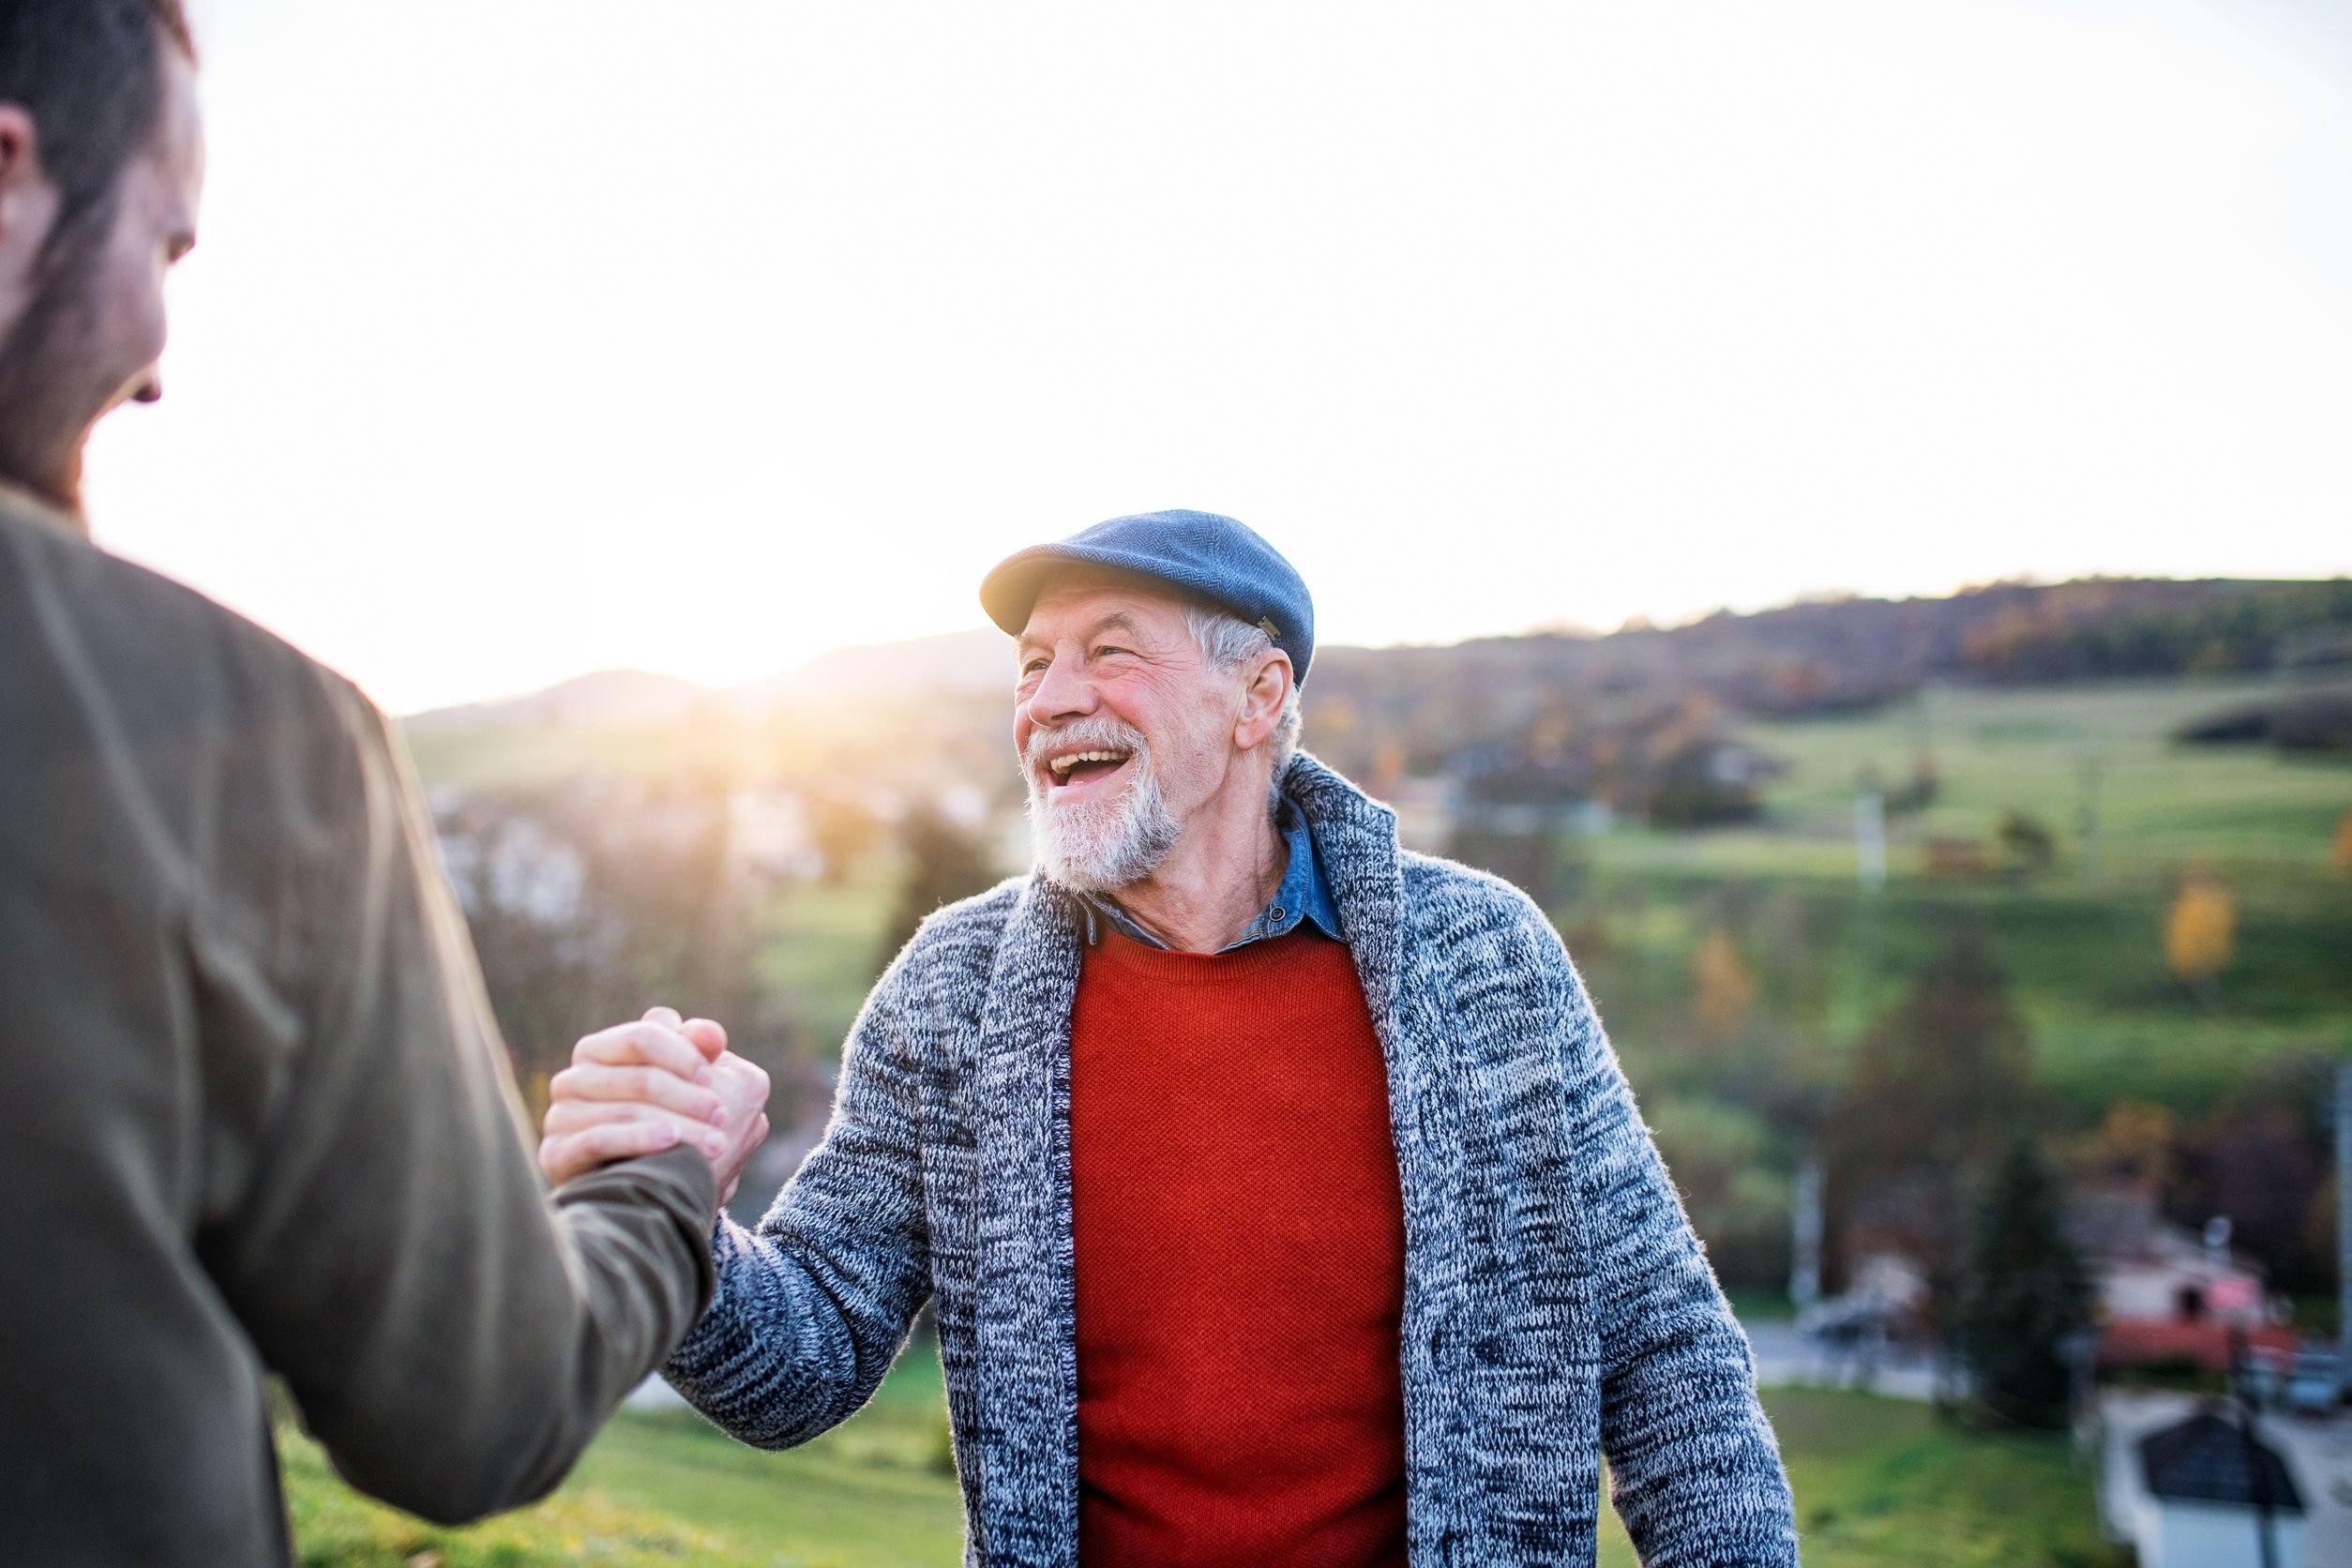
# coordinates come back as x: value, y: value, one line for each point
x: 90, y: 72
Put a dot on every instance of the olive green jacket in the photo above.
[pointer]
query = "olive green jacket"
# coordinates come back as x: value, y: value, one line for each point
x: 254, y: 1113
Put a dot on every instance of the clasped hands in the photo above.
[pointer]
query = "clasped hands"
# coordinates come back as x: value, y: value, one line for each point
x: 644, y: 1087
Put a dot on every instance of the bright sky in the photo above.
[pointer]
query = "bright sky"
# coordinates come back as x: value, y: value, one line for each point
x: 546, y: 336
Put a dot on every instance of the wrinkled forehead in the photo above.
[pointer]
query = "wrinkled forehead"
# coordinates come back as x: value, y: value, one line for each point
x: 1072, y: 601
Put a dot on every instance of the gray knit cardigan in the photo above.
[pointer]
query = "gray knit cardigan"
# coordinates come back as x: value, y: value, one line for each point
x: 1557, y: 1305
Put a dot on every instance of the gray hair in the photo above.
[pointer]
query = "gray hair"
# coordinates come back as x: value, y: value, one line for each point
x: 1228, y: 642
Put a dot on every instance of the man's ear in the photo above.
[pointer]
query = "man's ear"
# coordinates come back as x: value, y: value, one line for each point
x: 21, y: 169
x: 28, y: 206
x: 1262, y: 700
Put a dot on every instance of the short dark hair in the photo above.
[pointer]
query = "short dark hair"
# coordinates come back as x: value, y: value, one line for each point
x: 90, y: 72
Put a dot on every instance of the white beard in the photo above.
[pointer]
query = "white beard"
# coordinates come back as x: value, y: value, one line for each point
x: 1105, y: 845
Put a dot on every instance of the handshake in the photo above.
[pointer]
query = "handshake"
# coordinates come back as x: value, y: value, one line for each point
x: 656, y: 1084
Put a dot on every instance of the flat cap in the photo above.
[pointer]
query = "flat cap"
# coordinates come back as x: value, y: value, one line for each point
x: 1201, y: 554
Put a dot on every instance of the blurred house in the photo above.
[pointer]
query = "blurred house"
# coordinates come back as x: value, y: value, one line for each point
x: 1706, y: 780
x: 1508, y: 807
x: 1515, y: 791
x: 2164, y: 1293
x: 2207, y: 1493
x: 770, y: 834
x: 1959, y: 858
x: 1883, y: 1303
x: 512, y: 863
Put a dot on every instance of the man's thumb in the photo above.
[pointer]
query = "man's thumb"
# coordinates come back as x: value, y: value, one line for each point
x: 709, y: 1037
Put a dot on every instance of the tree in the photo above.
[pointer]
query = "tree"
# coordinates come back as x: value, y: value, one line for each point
x: 1938, y: 1087
x: 2136, y: 1144
x: 2027, y: 847
x: 2026, y: 1291
x: 2262, y: 1158
x: 846, y: 831
x: 1735, y: 1188
x: 945, y: 862
x: 1724, y: 986
x: 592, y: 899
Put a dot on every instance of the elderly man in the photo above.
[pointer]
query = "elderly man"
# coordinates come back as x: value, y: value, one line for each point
x: 259, y: 1116
x: 1281, y: 1197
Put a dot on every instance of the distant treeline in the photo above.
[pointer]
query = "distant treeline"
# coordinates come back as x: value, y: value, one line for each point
x: 1821, y: 657
x: 2077, y: 630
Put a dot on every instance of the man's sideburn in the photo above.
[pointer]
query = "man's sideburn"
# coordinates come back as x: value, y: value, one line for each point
x: 49, y: 391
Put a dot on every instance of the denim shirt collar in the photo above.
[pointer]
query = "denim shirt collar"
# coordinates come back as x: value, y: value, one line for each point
x: 1303, y: 897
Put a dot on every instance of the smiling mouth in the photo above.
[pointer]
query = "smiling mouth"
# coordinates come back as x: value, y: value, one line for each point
x: 1084, y: 767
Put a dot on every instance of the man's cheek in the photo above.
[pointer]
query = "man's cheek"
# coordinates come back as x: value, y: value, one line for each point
x: 137, y: 325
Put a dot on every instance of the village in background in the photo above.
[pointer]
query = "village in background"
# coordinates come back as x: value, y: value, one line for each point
x: 1982, y: 964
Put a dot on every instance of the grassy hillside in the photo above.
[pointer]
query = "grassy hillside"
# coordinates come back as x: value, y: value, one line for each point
x: 820, y: 945
x: 2083, y: 939
x: 2048, y: 750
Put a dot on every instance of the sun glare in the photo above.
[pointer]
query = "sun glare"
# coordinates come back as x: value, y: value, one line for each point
x: 1490, y: 316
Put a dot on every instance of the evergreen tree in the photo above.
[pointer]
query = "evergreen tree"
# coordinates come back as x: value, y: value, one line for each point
x: 2026, y: 1291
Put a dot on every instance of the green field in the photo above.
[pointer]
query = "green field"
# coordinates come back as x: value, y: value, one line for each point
x: 666, y: 1487
x: 2033, y: 748
x: 1876, y: 1480
x: 820, y: 948
x: 1882, y: 1481
x: 2082, y: 939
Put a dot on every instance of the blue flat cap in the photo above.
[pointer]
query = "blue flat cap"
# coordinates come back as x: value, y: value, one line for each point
x: 1203, y: 555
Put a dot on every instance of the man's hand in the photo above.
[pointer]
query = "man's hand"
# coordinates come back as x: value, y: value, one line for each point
x: 651, y: 1085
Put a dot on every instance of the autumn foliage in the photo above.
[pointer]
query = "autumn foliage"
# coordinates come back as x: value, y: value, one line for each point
x: 2200, y: 931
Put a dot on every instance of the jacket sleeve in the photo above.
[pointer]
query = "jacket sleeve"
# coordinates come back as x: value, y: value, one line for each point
x: 453, y: 1336
x: 1694, y: 1471
x: 812, y: 1307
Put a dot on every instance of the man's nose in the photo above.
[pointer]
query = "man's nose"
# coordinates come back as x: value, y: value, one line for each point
x: 149, y: 388
x: 1061, y: 693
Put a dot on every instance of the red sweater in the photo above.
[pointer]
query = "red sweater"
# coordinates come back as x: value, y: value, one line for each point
x: 1239, y: 1261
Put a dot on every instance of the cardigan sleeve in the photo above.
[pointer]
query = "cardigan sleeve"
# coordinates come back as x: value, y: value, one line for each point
x: 813, y: 1307
x: 1694, y: 1471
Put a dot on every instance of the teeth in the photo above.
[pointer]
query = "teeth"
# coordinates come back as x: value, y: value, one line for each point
x: 1062, y: 765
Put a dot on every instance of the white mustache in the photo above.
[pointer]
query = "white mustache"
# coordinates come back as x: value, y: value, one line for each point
x: 1089, y: 732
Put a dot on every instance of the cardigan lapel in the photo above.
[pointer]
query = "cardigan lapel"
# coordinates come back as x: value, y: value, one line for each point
x: 1026, y: 1298
x: 1356, y: 839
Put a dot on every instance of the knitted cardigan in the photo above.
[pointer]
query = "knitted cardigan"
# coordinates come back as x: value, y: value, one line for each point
x: 1557, y: 1305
